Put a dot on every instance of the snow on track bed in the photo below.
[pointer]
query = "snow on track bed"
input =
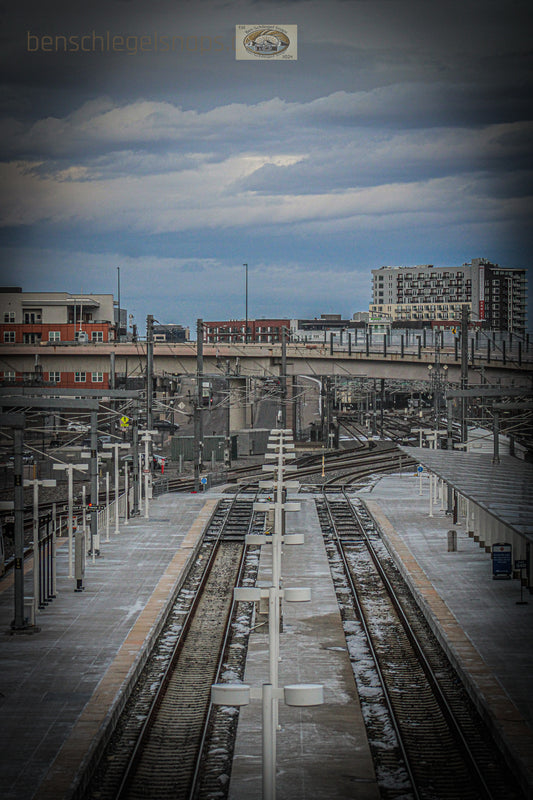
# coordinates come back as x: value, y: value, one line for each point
x: 185, y: 662
x: 414, y: 706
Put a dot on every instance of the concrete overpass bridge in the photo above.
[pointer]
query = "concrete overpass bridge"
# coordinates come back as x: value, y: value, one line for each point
x: 265, y: 361
x: 239, y: 364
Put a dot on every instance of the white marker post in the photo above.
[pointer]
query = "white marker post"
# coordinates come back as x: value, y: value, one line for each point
x: 69, y: 468
x: 116, y: 447
x: 147, y: 438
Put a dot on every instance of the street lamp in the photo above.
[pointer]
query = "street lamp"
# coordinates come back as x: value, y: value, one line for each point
x: 69, y: 469
x: 146, y: 438
x: 246, y: 300
x: 94, y: 549
x: 270, y: 693
x: 116, y: 446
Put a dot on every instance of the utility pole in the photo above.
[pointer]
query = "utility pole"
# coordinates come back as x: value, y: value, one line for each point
x: 93, y: 472
x: 119, y: 336
x: 382, y: 403
x: 149, y: 369
x: 246, y: 304
x: 19, y: 622
x: 283, y: 377
x: 198, y: 419
x: 464, y: 371
x: 135, y: 461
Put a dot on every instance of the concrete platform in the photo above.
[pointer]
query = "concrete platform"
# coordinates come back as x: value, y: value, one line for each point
x: 488, y: 637
x: 322, y: 751
x: 486, y: 633
x: 58, y: 686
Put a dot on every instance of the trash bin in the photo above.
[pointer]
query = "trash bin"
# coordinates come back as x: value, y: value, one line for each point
x: 452, y: 541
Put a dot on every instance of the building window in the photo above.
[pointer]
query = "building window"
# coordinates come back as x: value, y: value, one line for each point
x: 54, y: 336
x: 97, y: 377
x: 98, y: 336
x: 9, y: 316
x: 32, y: 316
x: 54, y: 377
x: 31, y: 338
x: 9, y: 336
x: 9, y: 376
x: 79, y: 377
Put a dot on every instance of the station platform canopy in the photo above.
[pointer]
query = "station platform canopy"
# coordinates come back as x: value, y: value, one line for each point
x: 504, y: 490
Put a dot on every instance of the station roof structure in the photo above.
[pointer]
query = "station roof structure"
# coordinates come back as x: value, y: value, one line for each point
x: 504, y: 490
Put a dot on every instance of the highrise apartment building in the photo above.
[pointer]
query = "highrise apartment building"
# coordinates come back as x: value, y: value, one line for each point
x: 495, y: 296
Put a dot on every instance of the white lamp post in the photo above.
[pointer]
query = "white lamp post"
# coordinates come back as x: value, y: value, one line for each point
x: 147, y: 438
x: 116, y: 447
x: 270, y: 693
x: 69, y: 468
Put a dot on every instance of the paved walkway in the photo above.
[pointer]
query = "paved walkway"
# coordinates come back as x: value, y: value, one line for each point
x: 48, y: 678
x: 322, y: 751
x: 58, y: 687
x: 485, y: 632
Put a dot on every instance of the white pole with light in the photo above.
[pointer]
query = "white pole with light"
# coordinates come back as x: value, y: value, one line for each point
x: 69, y: 468
x: 147, y: 438
x: 116, y: 446
x: 270, y: 693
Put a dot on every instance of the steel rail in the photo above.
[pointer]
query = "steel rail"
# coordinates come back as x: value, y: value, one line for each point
x: 430, y: 674
x: 220, y: 662
x: 362, y: 618
x: 384, y: 464
x: 133, y: 761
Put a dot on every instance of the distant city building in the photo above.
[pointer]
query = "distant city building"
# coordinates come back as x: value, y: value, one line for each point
x: 319, y: 328
x: 32, y: 317
x: 234, y: 330
x: 171, y: 332
x: 495, y: 296
x: 53, y: 319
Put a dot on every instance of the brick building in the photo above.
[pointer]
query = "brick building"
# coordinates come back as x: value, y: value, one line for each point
x: 52, y: 319
x: 234, y: 330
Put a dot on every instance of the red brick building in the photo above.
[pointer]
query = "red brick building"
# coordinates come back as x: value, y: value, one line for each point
x: 54, y: 319
x: 266, y: 331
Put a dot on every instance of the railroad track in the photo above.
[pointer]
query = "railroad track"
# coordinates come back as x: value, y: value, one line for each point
x: 161, y: 744
x: 426, y: 737
x: 388, y: 462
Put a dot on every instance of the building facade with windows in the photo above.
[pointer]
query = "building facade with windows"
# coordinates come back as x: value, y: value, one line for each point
x: 52, y: 319
x: 33, y: 317
x: 170, y: 332
x: 495, y: 296
x: 234, y: 331
x: 320, y: 328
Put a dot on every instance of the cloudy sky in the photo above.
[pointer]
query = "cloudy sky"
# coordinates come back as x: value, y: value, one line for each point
x: 400, y: 135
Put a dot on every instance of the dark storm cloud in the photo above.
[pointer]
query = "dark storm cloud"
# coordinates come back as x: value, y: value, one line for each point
x: 399, y: 135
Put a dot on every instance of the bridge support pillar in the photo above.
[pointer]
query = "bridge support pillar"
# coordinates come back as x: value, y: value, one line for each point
x: 239, y: 406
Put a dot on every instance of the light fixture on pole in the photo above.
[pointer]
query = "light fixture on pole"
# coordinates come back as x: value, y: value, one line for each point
x: 116, y: 446
x: 146, y: 438
x: 246, y: 302
x: 270, y: 693
x: 69, y: 469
